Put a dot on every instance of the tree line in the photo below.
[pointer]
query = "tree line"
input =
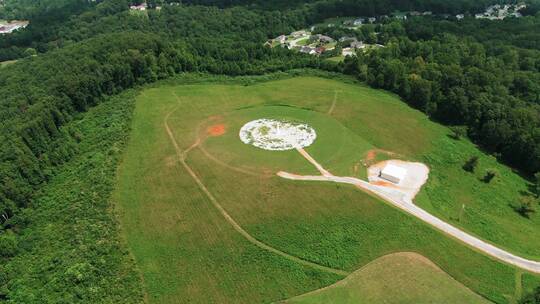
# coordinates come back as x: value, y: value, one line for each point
x: 492, y: 87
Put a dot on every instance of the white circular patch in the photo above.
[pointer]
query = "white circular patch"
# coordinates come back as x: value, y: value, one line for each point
x: 277, y: 135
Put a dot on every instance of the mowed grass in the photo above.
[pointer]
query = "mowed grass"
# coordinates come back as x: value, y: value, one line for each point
x: 189, y: 253
x: 185, y: 249
x: 338, y: 148
x: 339, y: 58
x: 400, y: 278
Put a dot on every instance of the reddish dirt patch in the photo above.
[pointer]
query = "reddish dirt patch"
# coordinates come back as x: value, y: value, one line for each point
x: 216, y: 130
x: 371, y: 155
x: 381, y: 183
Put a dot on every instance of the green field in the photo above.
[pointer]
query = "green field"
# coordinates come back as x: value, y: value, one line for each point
x: 303, y: 42
x: 187, y: 251
x: 339, y: 58
x: 399, y: 278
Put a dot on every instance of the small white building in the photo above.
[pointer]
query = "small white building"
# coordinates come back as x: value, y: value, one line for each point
x: 358, y: 21
x: 281, y: 39
x: 393, y: 173
x: 348, y: 52
x: 299, y: 34
x: 357, y: 45
x: 140, y: 7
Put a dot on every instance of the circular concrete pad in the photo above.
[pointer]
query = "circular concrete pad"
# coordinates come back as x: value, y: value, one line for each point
x: 277, y: 135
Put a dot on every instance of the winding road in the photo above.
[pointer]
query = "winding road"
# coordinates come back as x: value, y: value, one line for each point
x: 400, y: 201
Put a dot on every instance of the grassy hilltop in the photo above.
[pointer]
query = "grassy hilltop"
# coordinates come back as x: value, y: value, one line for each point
x: 187, y: 250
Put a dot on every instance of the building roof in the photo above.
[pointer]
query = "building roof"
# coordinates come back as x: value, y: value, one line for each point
x: 394, y: 171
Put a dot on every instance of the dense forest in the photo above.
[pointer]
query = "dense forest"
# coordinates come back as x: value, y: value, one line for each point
x: 459, y: 73
x: 489, y: 83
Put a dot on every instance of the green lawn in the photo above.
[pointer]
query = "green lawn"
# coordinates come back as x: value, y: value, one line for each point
x: 339, y: 58
x: 303, y: 42
x: 400, y: 278
x: 187, y: 251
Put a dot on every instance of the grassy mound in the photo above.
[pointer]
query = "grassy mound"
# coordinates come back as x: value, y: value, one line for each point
x: 396, y: 278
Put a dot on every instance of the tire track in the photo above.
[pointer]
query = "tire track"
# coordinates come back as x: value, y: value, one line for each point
x: 332, y: 107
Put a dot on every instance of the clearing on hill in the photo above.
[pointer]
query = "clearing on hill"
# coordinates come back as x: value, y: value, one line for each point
x: 208, y: 219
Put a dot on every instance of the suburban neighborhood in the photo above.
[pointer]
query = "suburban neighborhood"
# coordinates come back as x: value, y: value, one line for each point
x: 306, y: 41
x: 10, y: 27
x: 313, y: 41
x: 499, y: 12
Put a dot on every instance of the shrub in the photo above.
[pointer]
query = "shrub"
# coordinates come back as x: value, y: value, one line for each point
x: 8, y: 244
x: 471, y: 164
x: 525, y: 207
x: 490, y: 174
x: 458, y: 132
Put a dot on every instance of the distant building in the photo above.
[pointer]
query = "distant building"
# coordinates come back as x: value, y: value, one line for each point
x: 460, y: 16
x: 348, y: 52
x: 308, y: 50
x: 298, y: 34
x: 281, y: 39
x: 358, y: 21
x: 140, y: 7
x: 320, y: 50
x: 10, y: 27
x: 357, y: 45
x: 321, y: 38
x: 393, y: 173
x: 326, y: 39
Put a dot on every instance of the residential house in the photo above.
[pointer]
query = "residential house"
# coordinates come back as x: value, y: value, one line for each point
x: 140, y: 7
x: 308, y: 50
x: 299, y: 34
x: 348, y: 52
x: 358, y: 21
x: 281, y: 39
x: 12, y: 26
x: 321, y: 38
x: 357, y: 45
